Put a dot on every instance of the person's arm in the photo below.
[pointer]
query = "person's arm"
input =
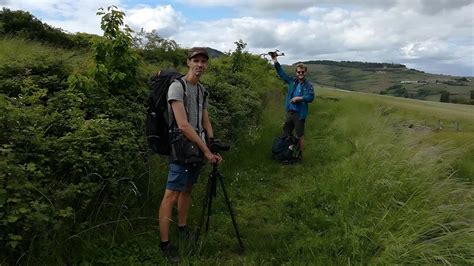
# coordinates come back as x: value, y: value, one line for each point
x: 280, y: 71
x: 308, y: 96
x: 189, y: 132
x: 206, y: 124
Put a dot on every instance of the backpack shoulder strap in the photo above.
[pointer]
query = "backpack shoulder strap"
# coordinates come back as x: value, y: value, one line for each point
x: 205, y: 93
x: 180, y: 79
x: 173, y: 124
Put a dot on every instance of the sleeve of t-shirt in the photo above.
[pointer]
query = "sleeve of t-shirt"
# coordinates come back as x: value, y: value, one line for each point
x: 176, y: 92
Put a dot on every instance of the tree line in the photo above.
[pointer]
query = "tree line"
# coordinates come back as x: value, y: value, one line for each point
x: 355, y: 64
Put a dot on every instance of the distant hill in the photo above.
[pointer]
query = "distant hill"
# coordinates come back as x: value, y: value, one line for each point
x: 355, y: 64
x: 213, y: 53
x: 390, y: 79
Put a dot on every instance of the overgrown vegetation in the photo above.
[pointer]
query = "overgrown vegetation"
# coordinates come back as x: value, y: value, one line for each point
x: 380, y: 183
x: 24, y: 25
x: 72, y: 144
x: 369, y: 191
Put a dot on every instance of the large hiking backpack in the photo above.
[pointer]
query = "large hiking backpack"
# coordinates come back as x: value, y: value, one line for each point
x: 156, y: 125
x: 285, y: 149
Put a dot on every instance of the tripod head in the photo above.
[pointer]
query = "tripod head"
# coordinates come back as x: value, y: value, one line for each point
x: 216, y: 145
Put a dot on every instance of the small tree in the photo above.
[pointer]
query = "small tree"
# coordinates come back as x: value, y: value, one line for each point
x: 151, y: 41
x: 444, y: 98
x: 116, y: 62
x: 237, y: 60
x: 157, y: 50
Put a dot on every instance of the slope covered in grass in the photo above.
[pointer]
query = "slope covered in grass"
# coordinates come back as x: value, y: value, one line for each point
x: 371, y: 189
x: 390, y: 80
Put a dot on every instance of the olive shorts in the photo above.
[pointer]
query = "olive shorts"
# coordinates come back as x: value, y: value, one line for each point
x: 293, y: 121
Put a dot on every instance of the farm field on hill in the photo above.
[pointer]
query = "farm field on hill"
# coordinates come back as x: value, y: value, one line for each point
x: 401, y: 82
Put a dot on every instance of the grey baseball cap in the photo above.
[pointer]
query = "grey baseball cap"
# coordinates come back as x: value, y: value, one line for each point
x: 197, y: 51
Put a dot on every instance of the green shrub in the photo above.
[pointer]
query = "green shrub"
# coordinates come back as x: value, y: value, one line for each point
x: 72, y: 141
x: 70, y: 144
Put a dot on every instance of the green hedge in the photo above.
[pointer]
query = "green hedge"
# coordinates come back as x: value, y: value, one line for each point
x: 72, y: 143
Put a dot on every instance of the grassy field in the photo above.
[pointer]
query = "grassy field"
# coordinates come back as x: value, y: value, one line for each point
x: 378, y: 184
x: 21, y: 51
x: 384, y: 180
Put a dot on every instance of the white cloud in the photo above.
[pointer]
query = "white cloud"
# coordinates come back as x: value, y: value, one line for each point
x: 434, y: 7
x: 164, y: 19
x: 400, y: 31
x: 422, y: 6
x: 263, y: 5
x: 70, y: 15
x: 285, y: 5
x: 428, y: 49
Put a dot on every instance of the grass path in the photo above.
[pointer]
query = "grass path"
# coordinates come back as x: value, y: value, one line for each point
x: 370, y: 190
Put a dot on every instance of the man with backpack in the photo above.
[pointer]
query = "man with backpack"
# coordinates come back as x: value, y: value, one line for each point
x: 300, y: 93
x: 189, y: 120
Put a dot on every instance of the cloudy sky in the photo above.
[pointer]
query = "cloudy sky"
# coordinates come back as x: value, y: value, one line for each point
x: 435, y: 36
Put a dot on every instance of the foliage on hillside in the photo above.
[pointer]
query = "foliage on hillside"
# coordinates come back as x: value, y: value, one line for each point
x: 390, y: 79
x: 354, y: 64
x: 24, y: 25
x: 69, y: 143
x: 74, y: 163
x: 72, y: 142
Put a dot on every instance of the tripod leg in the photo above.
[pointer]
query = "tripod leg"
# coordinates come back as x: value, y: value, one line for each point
x: 205, y: 204
x: 227, y: 201
x: 209, y: 205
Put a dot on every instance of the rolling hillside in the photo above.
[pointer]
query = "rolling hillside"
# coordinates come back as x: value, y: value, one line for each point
x: 384, y: 180
x: 390, y: 79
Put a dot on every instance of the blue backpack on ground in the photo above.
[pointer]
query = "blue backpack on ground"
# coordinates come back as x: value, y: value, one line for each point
x: 285, y: 149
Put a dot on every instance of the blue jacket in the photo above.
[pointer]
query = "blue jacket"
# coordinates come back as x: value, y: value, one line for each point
x: 307, y: 91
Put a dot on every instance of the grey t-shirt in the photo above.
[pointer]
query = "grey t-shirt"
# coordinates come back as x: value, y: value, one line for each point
x: 176, y: 93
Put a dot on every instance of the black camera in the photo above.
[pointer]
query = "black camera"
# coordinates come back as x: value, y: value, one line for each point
x: 272, y: 54
x: 276, y: 53
x: 216, y: 145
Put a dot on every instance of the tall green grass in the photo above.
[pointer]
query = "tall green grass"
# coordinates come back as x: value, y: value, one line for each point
x: 391, y: 198
x: 371, y: 189
x: 23, y: 51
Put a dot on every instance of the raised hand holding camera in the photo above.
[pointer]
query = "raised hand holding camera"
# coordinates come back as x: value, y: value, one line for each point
x: 273, y: 55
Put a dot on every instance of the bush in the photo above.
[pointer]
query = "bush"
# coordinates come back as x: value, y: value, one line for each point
x: 23, y: 24
x: 73, y: 145
x: 69, y: 145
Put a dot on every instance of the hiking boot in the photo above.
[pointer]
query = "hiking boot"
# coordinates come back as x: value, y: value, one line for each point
x: 171, y: 253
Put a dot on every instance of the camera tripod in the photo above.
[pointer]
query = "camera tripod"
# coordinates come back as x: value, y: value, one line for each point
x: 210, y: 194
